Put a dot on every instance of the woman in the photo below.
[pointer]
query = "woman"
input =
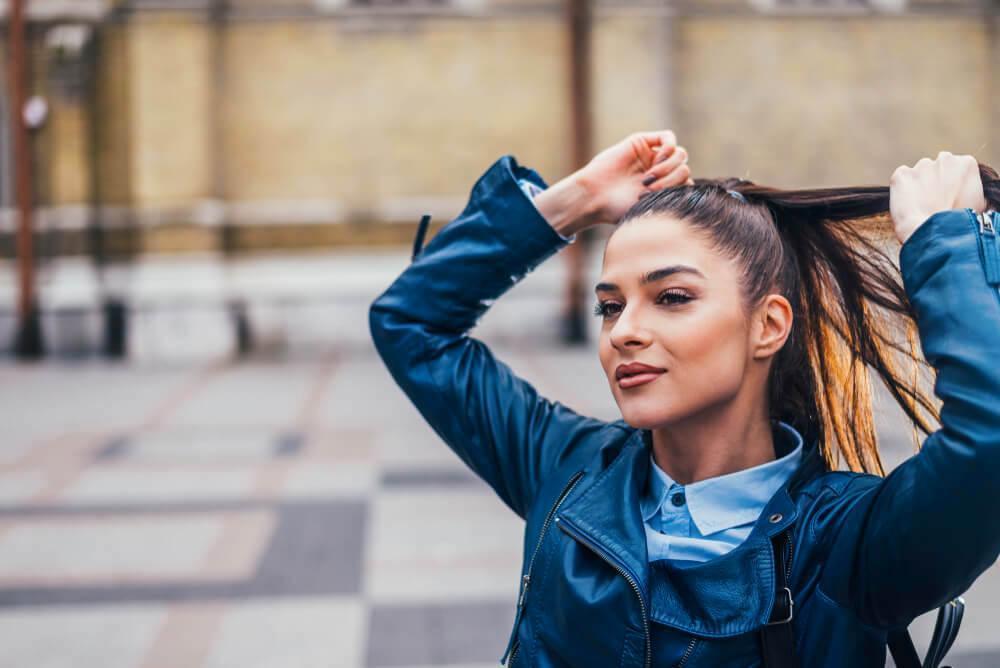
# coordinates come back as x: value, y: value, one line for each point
x: 708, y: 526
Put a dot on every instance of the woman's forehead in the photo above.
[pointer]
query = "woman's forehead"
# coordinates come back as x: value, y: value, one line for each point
x: 643, y: 245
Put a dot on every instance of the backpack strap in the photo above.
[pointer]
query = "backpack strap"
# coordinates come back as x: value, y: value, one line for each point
x: 777, y: 637
x: 418, y: 241
x: 902, y: 649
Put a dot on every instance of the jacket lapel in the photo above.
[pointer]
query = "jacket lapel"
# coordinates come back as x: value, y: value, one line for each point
x: 607, y: 512
x: 731, y: 594
x: 725, y: 596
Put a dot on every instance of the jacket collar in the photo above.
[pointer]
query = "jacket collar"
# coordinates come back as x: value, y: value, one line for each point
x: 607, y: 512
x: 608, y: 518
x: 729, y: 500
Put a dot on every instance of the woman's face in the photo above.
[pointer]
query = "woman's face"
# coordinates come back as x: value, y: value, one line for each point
x: 671, y: 302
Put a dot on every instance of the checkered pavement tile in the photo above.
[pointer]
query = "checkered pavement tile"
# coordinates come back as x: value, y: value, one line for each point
x: 250, y: 516
x: 270, y: 514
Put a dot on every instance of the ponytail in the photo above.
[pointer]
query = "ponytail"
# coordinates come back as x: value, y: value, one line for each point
x: 830, y: 253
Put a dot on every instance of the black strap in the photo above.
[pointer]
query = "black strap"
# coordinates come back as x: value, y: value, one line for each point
x: 903, y: 652
x: 777, y: 637
x: 949, y: 619
x: 418, y: 242
x: 945, y: 630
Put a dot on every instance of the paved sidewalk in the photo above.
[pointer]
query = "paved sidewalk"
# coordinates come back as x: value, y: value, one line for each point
x: 285, y: 513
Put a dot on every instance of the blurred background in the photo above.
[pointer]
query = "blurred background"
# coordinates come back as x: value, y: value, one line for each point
x: 204, y: 462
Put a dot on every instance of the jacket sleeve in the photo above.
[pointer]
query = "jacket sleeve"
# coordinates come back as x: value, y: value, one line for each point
x: 922, y: 535
x: 494, y: 420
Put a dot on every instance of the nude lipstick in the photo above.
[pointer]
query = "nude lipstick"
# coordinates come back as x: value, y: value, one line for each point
x: 636, y: 373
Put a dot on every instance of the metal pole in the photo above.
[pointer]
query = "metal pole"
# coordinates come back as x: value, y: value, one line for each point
x: 115, y: 312
x: 578, y: 26
x: 28, y: 344
x: 236, y: 302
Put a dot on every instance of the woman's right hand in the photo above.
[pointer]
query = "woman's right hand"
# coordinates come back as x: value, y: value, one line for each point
x: 642, y: 163
x: 948, y: 182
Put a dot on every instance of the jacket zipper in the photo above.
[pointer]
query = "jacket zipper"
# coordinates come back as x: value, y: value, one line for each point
x: 988, y: 250
x: 513, y: 653
x: 526, y: 578
x: 687, y: 653
x: 624, y: 573
x: 788, y: 559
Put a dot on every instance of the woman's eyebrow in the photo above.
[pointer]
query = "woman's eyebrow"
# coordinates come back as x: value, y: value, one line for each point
x: 653, y: 276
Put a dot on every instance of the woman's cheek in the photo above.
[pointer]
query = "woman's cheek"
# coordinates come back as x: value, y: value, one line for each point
x: 716, y: 376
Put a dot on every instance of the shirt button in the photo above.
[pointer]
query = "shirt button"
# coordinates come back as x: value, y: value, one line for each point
x: 677, y: 498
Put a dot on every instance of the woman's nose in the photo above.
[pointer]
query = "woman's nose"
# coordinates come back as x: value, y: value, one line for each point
x: 628, y: 331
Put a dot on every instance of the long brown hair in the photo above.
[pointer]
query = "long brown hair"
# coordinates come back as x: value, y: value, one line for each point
x: 828, y: 252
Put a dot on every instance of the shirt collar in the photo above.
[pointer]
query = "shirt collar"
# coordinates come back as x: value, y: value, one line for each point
x: 728, y: 500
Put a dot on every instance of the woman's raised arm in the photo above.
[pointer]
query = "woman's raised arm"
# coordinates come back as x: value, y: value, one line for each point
x: 921, y: 536
x: 494, y: 420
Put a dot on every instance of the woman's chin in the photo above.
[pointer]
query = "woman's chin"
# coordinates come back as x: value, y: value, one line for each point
x: 648, y: 419
x: 646, y: 410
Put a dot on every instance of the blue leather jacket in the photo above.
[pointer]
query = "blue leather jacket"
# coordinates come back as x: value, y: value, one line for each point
x: 867, y: 554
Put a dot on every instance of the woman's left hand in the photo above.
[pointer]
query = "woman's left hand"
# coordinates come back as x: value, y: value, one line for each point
x: 640, y: 164
x: 947, y: 182
x: 605, y: 188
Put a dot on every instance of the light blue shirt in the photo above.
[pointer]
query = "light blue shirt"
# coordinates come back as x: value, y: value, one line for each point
x: 530, y: 189
x: 708, y: 518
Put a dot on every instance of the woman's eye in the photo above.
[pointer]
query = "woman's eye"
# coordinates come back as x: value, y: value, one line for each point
x: 604, y: 309
x: 673, y: 297
x: 609, y: 308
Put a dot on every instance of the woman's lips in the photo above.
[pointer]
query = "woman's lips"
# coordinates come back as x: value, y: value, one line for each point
x: 639, y: 379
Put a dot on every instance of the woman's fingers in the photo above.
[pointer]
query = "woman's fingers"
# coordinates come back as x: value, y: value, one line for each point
x: 649, y: 148
x: 948, y: 182
x: 675, y: 178
x: 663, y: 153
x: 672, y: 170
x: 680, y: 176
x: 659, y: 138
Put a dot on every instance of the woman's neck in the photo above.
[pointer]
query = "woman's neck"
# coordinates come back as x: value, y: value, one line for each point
x: 713, y: 443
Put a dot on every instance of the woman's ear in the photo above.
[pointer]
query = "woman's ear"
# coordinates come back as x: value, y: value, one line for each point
x: 771, y: 326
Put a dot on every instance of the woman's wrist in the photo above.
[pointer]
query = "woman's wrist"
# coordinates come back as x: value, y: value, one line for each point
x: 570, y: 205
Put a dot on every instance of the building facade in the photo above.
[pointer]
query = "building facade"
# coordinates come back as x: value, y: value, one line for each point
x: 193, y: 125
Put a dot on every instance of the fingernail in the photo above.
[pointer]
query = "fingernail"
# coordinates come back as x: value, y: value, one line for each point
x: 649, y: 179
x: 666, y: 153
